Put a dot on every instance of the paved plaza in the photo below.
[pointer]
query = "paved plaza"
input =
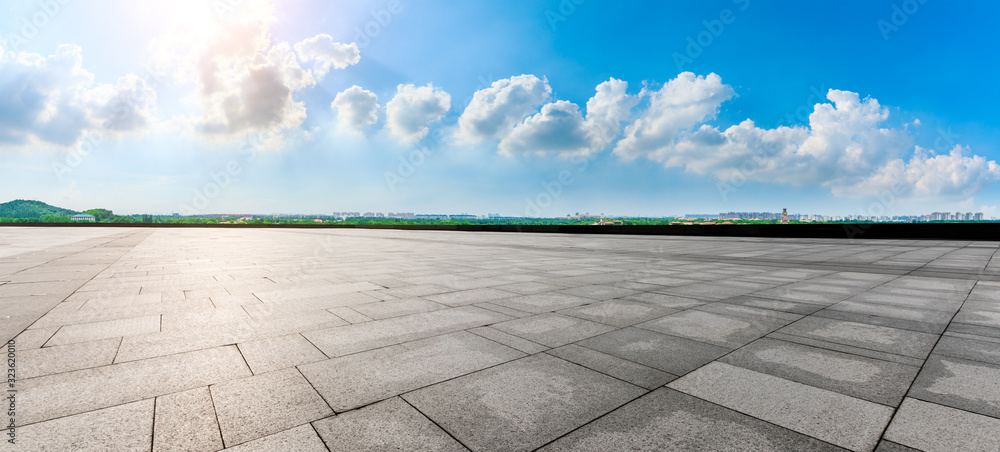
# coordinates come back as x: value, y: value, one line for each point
x: 200, y: 339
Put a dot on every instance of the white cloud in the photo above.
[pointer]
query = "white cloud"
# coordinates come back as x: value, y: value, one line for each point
x: 607, y: 110
x: 493, y: 111
x: 561, y: 128
x: 952, y: 175
x: 844, y: 147
x: 356, y: 108
x: 52, y: 99
x: 244, y: 82
x: 558, y: 128
x: 681, y: 104
x: 325, y: 53
x: 413, y: 108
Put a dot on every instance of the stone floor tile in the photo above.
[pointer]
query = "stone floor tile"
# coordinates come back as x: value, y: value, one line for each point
x: 509, y: 340
x: 270, y: 354
x: 716, y: 329
x: 121, y: 427
x: 971, y: 348
x: 829, y: 416
x: 669, y: 420
x: 349, y: 339
x: 552, y: 330
x: 634, y: 373
x: 620, y: 313
x: 254, y: 407
x: 299, y: 439
x: 349, y: 315
x: 102, y: 330
x: 356, y: 380
x: 931, y: 427
x: 69, y: 393
x: 891, y: 340
x: 666, y: 301
x: 521, y: 405
x: 65, y: 358
x: 671, y: 354
x: 464, y: 297
x: 543, y: 302
x: 773, y: 304
x: 857, y: 376
x: 388, y: 425
x: 396, y: 308
x: 959, y: 383
x: 186, y: 421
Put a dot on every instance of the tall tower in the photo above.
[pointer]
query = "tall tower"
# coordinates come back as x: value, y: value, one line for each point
x: 784, y: 215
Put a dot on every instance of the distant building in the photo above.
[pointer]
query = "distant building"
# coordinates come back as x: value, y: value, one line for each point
x: 83, y: 217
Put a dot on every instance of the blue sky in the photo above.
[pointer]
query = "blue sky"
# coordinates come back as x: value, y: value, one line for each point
x: 519, y: 108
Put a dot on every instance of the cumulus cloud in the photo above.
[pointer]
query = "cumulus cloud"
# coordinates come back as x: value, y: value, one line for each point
x: 844, y: 147
x: 560, y: 127
x: 954, y: 175
x: 52, y: 99
x: 493, y: 111
x: 413, y: 108
x: 245, y: 82
x: 356, y: 108
x: 325, y: 53
x: 681, y: 104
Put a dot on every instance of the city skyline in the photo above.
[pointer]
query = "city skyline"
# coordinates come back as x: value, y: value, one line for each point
x: 534, y: 109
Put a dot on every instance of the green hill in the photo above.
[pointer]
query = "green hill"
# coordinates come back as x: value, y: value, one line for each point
x: 20, y: 208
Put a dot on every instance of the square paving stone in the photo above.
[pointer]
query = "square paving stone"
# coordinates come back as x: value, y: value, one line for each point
x: 971, y: 348
x: 253, y: 407
x: 74, y: 392
x: 388, y: 425
x: 65, y: 358
x: 857, y: 376
x: 543, y: 302
x: 978, y: 317
x: 934, y: 428
x: 396, y: 308
x: 355, y: 380
x: 102, y: 330
x: 473, y: 296
x: 890, y: 340
x: 666, y: 301
x: 299, y: 439
x: 669, y: 420
x: 632, y: 372
x: 552, y: 330
x: 968, y: 385
x: 599, y: 292
x: 717, y: 329
x: 620, y: 313
x: 776, y: 305
x: 671, y: 354
x: 266, y: 355
x: 521, y: 405
x: 829, y: 416
x: 186, y: 421
x: 122, y: 427
x: 359, y: 337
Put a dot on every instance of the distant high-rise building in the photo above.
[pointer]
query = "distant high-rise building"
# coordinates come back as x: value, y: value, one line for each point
x: 784, y: 215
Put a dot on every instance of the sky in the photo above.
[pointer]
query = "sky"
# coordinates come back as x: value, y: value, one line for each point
x: 528, y: 108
